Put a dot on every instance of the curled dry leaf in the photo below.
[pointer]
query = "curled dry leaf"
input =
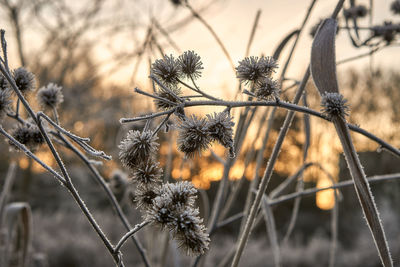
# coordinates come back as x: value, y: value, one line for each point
x: 323, y: 59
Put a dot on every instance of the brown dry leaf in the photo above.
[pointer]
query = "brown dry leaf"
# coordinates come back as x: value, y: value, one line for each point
x: 323, y: 59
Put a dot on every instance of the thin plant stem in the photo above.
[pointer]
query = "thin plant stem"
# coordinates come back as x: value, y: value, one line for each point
x: 208, y: 26
x: 110, y: 195
x: 32, y: 156
x: 312, y: 191
x: 363, y: 191
x: 267, y: 175
x: 129, y: 234
x: 308, y: 13
x: 7, y: 185
x: 281, y: 104
x: 253, y: 32
x: 271, y: 230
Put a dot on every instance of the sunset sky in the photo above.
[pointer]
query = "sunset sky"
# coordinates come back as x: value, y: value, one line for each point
x: 232, y: 20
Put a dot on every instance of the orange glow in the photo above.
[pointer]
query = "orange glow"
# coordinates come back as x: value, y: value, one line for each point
x: 24, y: 163
x: 183, y: 173
x: 78, y: 126
x: 44, y: 156
x: 200, y: 183
x: 237, y: 171
x: 325, y: 199
x: 212, y: 173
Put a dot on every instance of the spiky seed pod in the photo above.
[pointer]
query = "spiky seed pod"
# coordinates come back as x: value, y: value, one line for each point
x: 190, y: 64
x: 334, y: 104
x: 395, y: 7
x: 268, y: 89
x: 176, y: 3
x: 162, y: 105
x: 180, y: 194
x: 193, y: 136
x: 220, y: 126
x: 160, y: 213
x: 27, y: 134
x: 50, y: 96
x: 188, y: 229
x: 5, y: 103
x: 24, y: 80
x: 147, y: 174
x: 358, y: 11
x: 385, y: 31
x: 255, y: 69
x: 167, y: 69
x: 3, y: 83
x: 137, y: 148
x: 145, y: 196
x: 119, y: 183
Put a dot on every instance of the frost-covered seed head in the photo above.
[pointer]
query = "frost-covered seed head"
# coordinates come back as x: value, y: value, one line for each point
x: 5, y: 102
x: 137, y: 148
x: 334, y: 105
x: 190, y: 64
x: 268, y: 89
x: 162, y: 105
x: 144, y: 197
x: 159, y: 214
x: 147, y: 174
x: 50, y: 96
x: 180, y: 194
x: 27, y: 134
x: 386, y: 31
x: 119, y: 183
x: 254, y: 69
x: 358, y: 11
x: 176, y: 2
x: 24, y: 80
x: 188, y: 229
x: 3, y: 83
x: 193, y: 136
x: 167, y: 69
x: 395, y: 7
x: 220, y: 126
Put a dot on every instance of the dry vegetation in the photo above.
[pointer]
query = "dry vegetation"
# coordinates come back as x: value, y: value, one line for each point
x: 81, y: 186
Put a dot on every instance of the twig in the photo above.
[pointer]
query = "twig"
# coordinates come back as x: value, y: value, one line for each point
x: 129, y: 234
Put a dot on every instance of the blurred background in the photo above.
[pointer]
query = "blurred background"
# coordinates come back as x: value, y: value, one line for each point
x: 100, y: 50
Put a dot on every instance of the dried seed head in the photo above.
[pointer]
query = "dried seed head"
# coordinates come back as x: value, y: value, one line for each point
x: 5, y: 103
x: 24, y: 80
x: 176, y: 2
x: 358, y: 11
x: 193, y: 136
x: 334, y: 105
x: 386, y: 31
x: 395, y: 7
x: 268, y: 89
x: 220, y: 126
x: 119, y: 183
x: 188, y: 229
x: 3, y: 83
x: 159, y: 213
x: 137, y: 148
x: 167, y: 69
x: 190, y: 64
x: 144, y: 197
x: 255, y: 69
x: 27, y: 134
x: 162, y: 105
x: 50, y: 96
x: 180, y: 194
x: 147, y: 174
